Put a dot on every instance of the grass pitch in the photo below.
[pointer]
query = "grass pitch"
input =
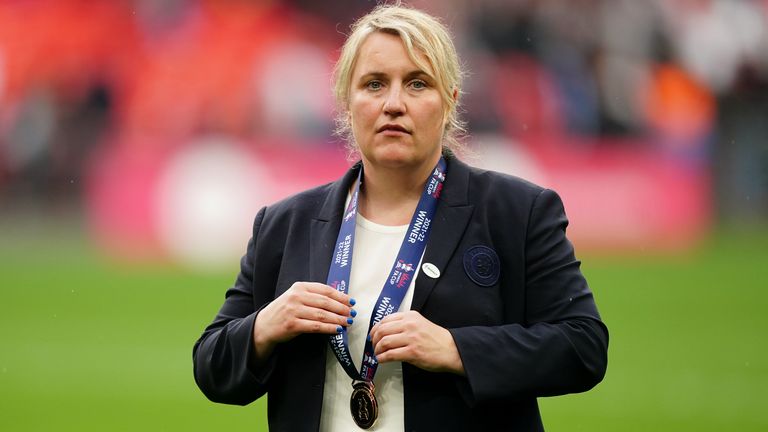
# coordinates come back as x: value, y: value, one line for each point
x: 89, y: 345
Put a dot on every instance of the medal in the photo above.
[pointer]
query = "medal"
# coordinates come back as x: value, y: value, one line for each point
x: 363, y: 404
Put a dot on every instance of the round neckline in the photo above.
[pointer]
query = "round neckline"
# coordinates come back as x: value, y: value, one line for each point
x: 362, y: 222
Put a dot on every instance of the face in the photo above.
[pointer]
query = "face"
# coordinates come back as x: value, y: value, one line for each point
x: 395, y: 107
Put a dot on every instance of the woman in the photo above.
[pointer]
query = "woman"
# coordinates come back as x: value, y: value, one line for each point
x: 483, y: 307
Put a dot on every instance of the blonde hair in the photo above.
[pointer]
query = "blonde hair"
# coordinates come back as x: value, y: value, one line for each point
x: 421, y: 34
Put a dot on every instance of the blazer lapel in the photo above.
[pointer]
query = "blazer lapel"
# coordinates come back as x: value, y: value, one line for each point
x: 451, y: 219
x: 324, y: 227
x: 453, y: 215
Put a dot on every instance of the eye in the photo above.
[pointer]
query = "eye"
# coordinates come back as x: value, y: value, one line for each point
x: 418, y: 84
x: 374, y: 85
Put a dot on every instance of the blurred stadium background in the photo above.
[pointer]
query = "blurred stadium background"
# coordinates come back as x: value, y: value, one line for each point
x: 139, y: 137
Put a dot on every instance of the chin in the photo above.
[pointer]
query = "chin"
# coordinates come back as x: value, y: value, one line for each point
x: 395, y: 159
x: 390, y: 155
x: 397, y: 155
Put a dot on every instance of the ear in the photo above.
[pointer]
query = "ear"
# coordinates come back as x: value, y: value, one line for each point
x: 455, y: 97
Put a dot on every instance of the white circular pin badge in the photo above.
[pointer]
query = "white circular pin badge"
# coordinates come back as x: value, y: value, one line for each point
x: 430, y: 270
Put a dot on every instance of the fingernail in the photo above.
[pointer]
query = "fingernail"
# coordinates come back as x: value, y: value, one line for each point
x: 353, y: 313
x: 352, y: 302
x: 368, y: 338
x: 339, y: 329
x: 349, y: 321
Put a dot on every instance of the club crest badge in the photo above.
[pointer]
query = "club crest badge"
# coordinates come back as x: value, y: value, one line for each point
x: 482, y: 265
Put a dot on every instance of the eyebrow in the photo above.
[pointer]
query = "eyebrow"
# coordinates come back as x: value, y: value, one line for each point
x: 418, y: 73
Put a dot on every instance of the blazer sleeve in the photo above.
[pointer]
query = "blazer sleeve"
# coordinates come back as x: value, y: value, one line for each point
x: 225, y: 366
x: 562, y: 346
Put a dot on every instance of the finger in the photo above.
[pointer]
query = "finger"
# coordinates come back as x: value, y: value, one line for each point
x: 299, y: 326
x: 395, y: 317
x: 323, y: 316
x: 401, y: 354
x: 399, y: 322
x: 331, y: 292
x: 321, y: 296
x: 320, y: 301
x: 375, y: 334
x: 393, y: 338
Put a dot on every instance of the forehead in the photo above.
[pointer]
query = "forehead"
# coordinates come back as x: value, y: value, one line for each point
x: 386, y: 52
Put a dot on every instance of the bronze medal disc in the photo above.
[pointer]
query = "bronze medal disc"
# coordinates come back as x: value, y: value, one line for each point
x: 363, y: 404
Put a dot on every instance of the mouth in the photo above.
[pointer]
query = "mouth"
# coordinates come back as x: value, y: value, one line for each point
x: 391, y: 127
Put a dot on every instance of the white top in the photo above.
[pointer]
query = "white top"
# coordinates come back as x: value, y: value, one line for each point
x: 374, y: 252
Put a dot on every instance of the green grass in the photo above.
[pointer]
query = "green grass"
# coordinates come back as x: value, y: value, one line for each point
x: 90, y: 345
x: 687, y: 350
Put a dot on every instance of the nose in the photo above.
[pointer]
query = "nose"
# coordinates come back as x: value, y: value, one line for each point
x: 394, y: 104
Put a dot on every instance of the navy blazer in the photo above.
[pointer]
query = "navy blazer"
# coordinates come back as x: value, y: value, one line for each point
x: 523, y: 318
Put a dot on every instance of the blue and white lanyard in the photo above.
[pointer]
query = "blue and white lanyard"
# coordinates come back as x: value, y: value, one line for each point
x: 400, y: 277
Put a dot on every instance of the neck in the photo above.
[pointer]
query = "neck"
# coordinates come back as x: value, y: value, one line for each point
x: 389, y: 196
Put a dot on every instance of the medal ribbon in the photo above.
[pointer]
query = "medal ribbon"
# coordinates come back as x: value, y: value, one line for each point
x: 400, y: 277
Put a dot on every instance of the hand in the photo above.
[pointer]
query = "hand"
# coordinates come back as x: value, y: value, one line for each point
x: 306, y: 307
x: 409, y: 337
